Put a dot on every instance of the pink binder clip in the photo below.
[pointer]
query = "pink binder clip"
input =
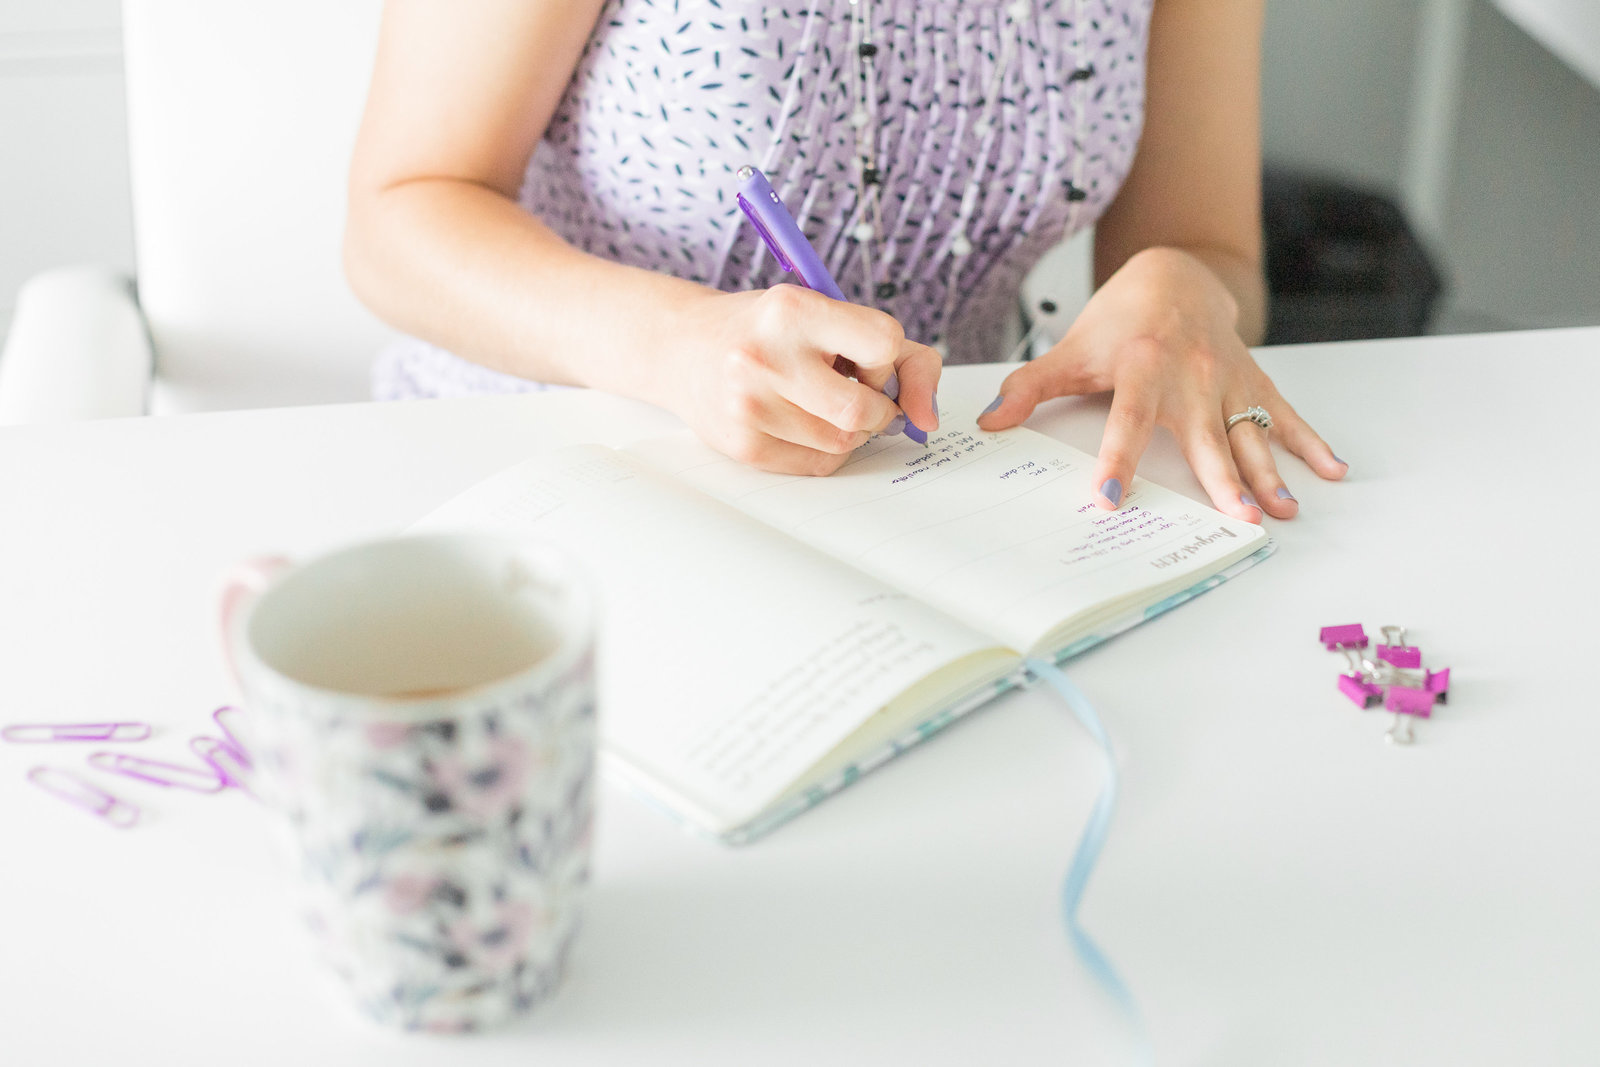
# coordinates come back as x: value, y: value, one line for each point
x: 1337, y: 637
x: 1407, y: 705
x: 156, y: 772
x: 1393, y: 676
x: 67, y: 786
x: 1395, y: 651
x: 44, y: 732
x: 1438, y: 683
x: 1362, y: 694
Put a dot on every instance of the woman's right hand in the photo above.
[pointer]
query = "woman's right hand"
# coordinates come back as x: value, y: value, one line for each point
x: 754, y: 375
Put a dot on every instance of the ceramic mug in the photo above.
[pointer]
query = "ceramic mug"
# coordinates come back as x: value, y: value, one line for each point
x: 421, y: 711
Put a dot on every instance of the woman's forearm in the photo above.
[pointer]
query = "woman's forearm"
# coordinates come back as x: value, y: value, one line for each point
x: 459, y: 264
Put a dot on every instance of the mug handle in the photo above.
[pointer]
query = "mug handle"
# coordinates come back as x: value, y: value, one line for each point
x: 244, y: 583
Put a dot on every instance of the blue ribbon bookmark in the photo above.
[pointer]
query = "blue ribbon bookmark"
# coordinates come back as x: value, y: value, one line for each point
x: 1083, y: 861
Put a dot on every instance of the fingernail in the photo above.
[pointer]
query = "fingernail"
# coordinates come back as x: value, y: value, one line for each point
x: 896, y: 425
x: 891, y: 388
x: 1249, y: 501
x: 995, y: 403
x: 1336, y: 459
x: 1284, y: 494
x: 918, y: 435
x: 1111, y: 489
x: 936, y: 409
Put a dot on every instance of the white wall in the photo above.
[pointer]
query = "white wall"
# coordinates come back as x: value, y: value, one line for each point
x: 1520, y: 244
x: 63, y: 140
x: 1336, y: 86
x: 1523, y: 218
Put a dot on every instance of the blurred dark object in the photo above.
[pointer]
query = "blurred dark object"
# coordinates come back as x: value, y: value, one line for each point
x: 1342, y: 264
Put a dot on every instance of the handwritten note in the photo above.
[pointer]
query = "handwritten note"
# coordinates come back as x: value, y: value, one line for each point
x: 848, y: 671
x: 997, y: 528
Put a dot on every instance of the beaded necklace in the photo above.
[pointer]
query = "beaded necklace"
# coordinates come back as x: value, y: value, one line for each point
x: 876, y: 253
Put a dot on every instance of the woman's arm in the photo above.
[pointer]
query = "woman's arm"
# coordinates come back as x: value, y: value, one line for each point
x: 437, y: 245
x: 1195, y: 184
x: 1178, y: 264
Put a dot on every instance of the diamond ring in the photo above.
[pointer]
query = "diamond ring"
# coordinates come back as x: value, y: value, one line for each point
x: 1257, y: 415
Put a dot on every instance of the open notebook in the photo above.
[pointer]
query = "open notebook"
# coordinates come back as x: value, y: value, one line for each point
x: 766, y: 638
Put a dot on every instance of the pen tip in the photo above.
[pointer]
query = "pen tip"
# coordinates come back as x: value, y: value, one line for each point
x: 918, y: 435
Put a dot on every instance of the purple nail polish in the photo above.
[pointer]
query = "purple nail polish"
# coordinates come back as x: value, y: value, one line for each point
x: 936, y: 401
x: 1336, y: 459
x: 891, y: 388
x: 993, y: 404
x: 1284, y: 494
x: 1249, y: 501
x: 918, y: 435
x: 1111, y: 489
x: 896, y: 425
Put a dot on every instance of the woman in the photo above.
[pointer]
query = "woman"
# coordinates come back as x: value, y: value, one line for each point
x: 542, y: 192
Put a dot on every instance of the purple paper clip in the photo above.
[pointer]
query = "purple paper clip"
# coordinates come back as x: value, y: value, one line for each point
x: 1337, y: 637
x: 1395, y: 651
x: 1438, y: 683
x: 47, y: 732
x: 231, y: 766
x: 65, y: 785
x: 1407, y: 704
x: 157, y: 772
x: 233, y: 742
x: 1362, y: 694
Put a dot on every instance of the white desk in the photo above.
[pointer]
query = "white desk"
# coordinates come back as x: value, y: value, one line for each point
x: 1280, y: 887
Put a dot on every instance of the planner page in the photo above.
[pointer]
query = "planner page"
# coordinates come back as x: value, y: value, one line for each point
x: 997, y: 529
x: 732, y: 659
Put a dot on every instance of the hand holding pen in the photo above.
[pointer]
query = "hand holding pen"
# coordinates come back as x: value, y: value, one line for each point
x: 913, y: 369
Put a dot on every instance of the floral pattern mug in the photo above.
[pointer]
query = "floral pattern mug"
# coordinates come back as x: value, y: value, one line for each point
x: 421, y: 711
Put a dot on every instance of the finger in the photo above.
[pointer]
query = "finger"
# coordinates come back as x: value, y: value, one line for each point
x: 786, y: 421
x: 1299, y: 438
x: 1252, y: 455
x: 914, y: 381
x: 1020, y: 393
x: 1128, y: 428
x: 1209, y: 456
x: 768, y: 453
x: 850, y: 406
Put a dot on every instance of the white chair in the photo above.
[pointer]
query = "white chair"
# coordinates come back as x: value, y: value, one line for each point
x: 241, y: 118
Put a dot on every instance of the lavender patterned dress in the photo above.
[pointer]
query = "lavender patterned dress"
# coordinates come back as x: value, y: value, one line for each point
x: 671, y: 97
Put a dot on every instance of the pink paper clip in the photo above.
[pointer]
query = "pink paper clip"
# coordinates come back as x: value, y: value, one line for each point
x: 1395, y: 651
x: 1337, y: 637
x: 1362, y: 694
x: 230, y: 765
x: 1407, y: 705
x: 45, y: 732
x: 156, y: 772
x: 65, y: 785
x: 1438, y: 683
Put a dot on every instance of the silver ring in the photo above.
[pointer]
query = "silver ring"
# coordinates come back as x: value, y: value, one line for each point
x: 1257, y: 415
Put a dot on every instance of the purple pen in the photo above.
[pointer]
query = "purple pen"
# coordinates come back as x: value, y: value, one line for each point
x: 782, y: 236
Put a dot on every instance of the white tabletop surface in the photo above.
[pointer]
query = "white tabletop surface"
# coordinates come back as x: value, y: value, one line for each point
x: 1281, y: 887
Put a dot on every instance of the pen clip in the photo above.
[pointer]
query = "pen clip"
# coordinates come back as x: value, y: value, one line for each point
x: 766, y: 235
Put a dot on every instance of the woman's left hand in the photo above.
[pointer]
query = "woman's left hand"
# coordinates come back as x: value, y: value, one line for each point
x: 1160, y: 334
